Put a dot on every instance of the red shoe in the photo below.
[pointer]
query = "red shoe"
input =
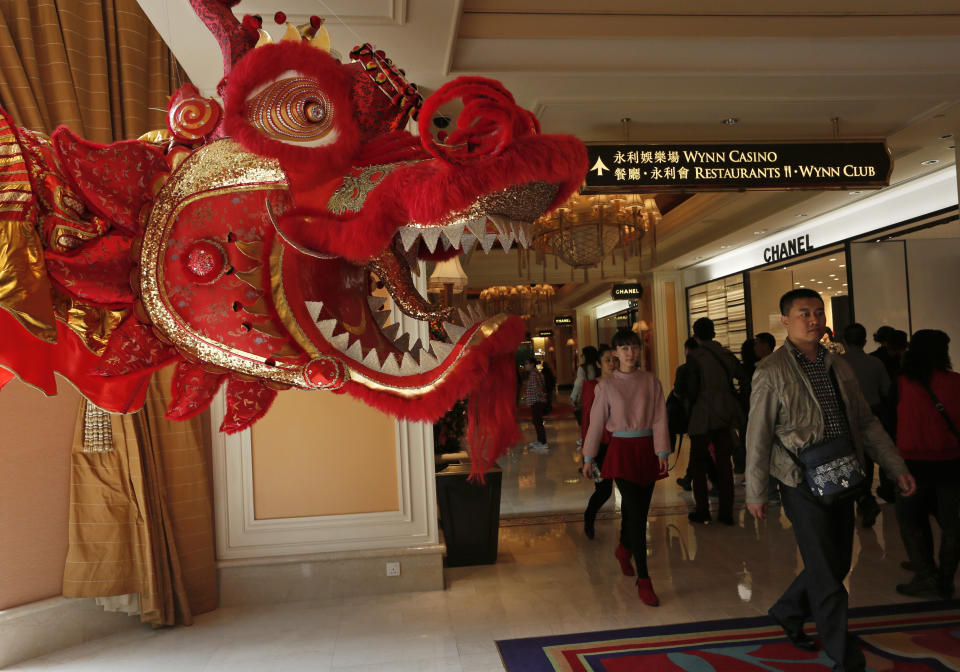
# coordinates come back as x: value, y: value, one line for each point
x: 645, y: 591
x: 624, y: 556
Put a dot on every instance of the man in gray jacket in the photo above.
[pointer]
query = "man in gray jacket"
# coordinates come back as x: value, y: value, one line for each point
x: 802, y: 396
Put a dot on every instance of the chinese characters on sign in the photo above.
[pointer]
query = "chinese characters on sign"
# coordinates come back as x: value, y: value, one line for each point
x: 680, y: 167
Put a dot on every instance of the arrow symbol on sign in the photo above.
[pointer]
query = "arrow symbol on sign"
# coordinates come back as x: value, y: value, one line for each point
x: 599, y: 166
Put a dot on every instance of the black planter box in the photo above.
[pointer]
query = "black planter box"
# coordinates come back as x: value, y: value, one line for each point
x: 469, y: 515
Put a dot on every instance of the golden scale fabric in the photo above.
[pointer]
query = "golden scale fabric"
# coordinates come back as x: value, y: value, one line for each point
x: 141, y: 514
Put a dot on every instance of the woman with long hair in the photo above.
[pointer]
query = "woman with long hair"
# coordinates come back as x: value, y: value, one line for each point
x: 602, y: 487
x: 928, y: 417
x: 589, y: 370
x: 630, y: 404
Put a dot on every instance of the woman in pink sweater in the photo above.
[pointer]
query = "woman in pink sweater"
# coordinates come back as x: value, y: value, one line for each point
x: 630, y: 404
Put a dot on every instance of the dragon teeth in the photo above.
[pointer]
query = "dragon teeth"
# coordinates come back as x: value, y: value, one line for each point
x: 390, y: 365
x: 478, y: 227
x: 375, y: 302
x: 467, y: 243
x: 430, y: 237
x: 487, y: 242
x: 453, y: 331
x: 372, y: 361
x: 381, y: 317
x: 408, y: 366
x: 453, y: 233
x: 428, y: 361
x: 326, y: 327
x: 340, y: 341
x: 402, y: 343
x: 355, y: 351
x: 390, y: 331
x: 501, y: 223
x: 440, y: 349
x: 408, y: 236
x: 314, y: 308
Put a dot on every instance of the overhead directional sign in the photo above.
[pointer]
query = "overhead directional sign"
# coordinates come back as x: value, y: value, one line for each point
x: 725, y: 167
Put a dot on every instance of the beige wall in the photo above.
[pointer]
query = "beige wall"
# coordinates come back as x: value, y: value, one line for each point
x: 318, y: 453
x: 37, y: 433
x: 766, y: 288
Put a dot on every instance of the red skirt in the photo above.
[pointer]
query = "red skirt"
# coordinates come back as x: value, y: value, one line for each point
x: 632, y: 459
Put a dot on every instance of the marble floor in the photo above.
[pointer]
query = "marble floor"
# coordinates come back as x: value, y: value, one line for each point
x: 548, y: 579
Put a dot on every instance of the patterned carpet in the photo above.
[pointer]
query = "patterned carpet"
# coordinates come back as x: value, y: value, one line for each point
x: 899, y: 638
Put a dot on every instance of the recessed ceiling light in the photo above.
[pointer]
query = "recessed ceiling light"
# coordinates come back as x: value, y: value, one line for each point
x: 843, y: 265
x: 833, y: 258
x: 929, y: 162
x: 829, y: 287
x: 801, y: 214
x: 724, y: 247
x: 730, y: 121
x: 796, y: 283
x: 697, y: 258
x: 813, y: 279
x: 819, y: 282
x: 844, y: 284
x: 760, y: 232
x: 854, y: 193
x: 946, y: 136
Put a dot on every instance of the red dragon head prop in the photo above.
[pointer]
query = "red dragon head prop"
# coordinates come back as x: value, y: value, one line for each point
x: 271, y: 245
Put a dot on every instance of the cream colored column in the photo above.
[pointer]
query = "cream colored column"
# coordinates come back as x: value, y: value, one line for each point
x: 669, y: 323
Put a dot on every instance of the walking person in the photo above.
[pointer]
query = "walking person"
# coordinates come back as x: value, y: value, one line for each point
x: 535, y: 395
x: 630, y: 404
x: 678, y: 418
x: 807, y: 400
x: 714, y: 415
x: 875, y: 386
x: 928, y: 411
x: 602, y: 487
x: 588, y: 370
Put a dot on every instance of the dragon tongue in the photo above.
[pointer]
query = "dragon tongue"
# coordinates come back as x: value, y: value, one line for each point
x: 395, y: 275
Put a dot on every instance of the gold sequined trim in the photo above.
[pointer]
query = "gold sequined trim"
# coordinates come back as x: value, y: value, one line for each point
x: 222, y: 167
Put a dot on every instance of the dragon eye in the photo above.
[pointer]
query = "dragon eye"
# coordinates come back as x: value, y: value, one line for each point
x: 315, y: 112
x: 294, y: 109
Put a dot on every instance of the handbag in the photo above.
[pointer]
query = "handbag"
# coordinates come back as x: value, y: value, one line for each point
x: 832, y: 470
x: 941, y: 410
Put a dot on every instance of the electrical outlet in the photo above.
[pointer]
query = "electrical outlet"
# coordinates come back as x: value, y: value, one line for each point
x: 393, y: 569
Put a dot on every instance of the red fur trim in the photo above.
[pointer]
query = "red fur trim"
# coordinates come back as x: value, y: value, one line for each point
x: 305, y: 166
x: 488, y: 375
x: 487, y: 124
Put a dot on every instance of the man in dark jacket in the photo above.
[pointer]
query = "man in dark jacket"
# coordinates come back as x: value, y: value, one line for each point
x: 714, y: 413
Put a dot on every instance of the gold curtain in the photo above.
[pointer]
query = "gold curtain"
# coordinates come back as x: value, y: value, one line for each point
x: 141, y: 518
x: 97, y: 66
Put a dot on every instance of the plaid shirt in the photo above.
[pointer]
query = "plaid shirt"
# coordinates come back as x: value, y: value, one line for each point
x: 834, y: 419
x: 535, y: 392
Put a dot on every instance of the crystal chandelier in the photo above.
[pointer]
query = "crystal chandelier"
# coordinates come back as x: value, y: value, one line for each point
x: 523, y: 300
x: 587, y: 228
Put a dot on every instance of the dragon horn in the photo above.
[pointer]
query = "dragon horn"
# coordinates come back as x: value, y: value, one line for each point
x: 235, y: 38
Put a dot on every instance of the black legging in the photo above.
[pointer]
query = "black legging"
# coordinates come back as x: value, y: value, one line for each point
x: 601, y: 490
x: 634, y: 506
